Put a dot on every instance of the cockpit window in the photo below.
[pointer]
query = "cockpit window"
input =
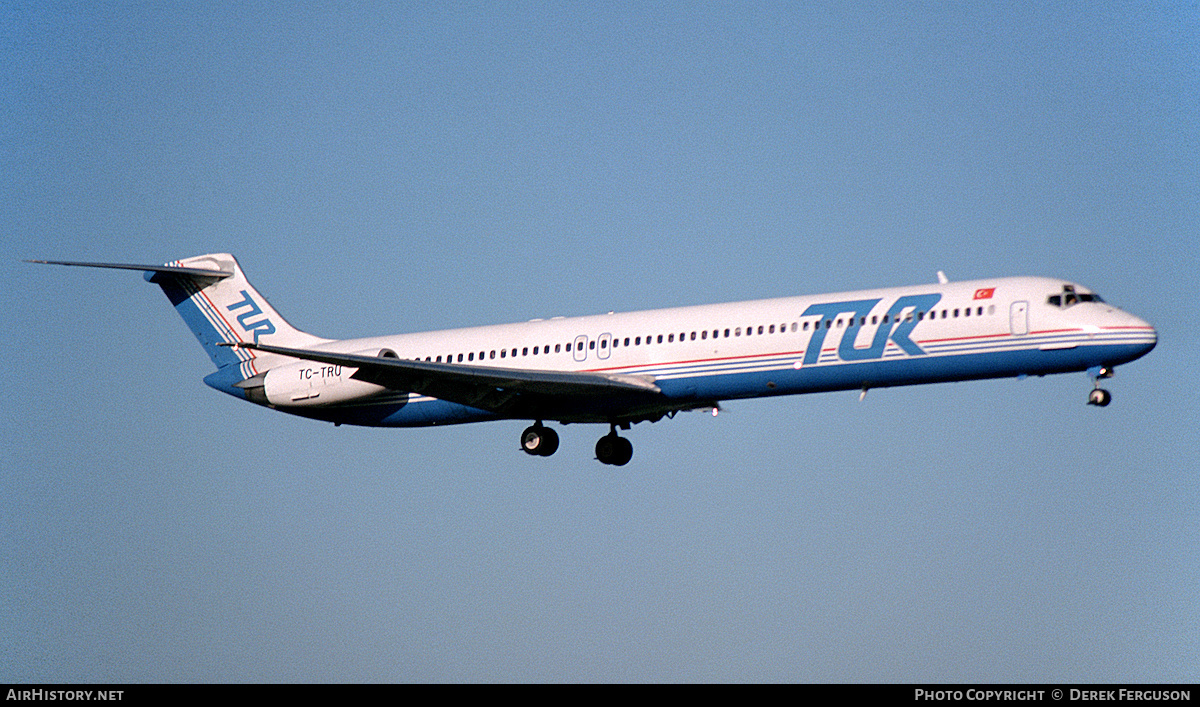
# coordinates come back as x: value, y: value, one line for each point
x: 1069, y: 296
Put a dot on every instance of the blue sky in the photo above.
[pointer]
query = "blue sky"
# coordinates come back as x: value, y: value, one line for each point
x: 381, y: 169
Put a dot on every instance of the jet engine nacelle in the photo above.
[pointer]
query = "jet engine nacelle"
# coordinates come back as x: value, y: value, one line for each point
x: 312, y: 384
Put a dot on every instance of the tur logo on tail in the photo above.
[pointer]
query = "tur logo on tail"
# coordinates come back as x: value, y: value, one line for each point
x: 258, y: 328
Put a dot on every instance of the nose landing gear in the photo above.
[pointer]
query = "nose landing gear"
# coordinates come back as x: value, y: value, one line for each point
x: 1099, y: 396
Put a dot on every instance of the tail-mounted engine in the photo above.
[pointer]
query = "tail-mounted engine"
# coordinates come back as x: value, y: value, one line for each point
x: 311, y: 384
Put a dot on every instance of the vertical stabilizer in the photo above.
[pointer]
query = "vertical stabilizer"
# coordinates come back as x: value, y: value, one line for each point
x: 225, y: 308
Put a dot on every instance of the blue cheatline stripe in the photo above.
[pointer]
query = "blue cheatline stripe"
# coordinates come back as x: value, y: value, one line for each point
x: 830, y: 356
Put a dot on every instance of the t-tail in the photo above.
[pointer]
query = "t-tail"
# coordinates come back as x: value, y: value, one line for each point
x: 220, y: 306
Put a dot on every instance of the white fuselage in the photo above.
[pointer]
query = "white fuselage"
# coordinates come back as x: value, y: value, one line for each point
x: 703, y: 354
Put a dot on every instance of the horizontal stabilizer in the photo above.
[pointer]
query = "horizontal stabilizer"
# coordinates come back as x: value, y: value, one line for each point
x: 157, y: 269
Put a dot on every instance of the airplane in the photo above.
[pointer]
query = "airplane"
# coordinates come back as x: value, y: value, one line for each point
x: 624, y: 368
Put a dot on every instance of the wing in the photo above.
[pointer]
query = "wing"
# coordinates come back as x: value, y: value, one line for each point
x: 510, y: 392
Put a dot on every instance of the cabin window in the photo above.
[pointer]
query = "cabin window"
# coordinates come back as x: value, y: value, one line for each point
x: 591, y: 346
x: 670, y: 338
x: 726, y: 333
x: 693, y: 337
x: 626, y: 341
x: 660, y: 338
x: 557, y: 348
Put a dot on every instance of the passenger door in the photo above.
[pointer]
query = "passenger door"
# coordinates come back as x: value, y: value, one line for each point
x: 1018, y: 318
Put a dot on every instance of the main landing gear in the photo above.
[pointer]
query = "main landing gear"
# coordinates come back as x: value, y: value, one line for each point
x: 614, y: 450
x: 538, y: 440
x: 541, y: 441
x: 1099, y: 396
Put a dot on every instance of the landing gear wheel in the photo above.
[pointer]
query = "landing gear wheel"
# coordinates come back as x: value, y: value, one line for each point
x: 539, y: 441
x: 1099, y: 397
x: 614, y: 450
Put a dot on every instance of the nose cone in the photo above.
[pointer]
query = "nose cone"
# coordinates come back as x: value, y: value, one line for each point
x: 1150, y: 334
x: 1139, y: 335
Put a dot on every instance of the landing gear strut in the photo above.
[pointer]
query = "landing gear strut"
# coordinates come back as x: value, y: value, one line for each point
x: 614, y: 450
x: 1099, y: 396
x: 539, y: 441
